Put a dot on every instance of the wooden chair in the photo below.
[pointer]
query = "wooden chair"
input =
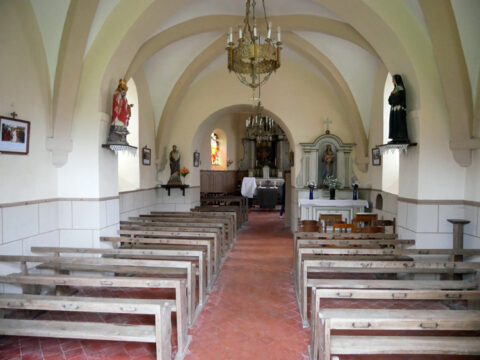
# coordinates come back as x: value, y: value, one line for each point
x: 309, y: 226
x: 363, y: 219
x: 384, y: 223
x: 329, y: 220
x: 343, y: 228
x: 368, y: 229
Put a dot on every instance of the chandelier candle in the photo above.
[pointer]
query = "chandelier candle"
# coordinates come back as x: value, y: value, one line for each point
x: 253, y: 58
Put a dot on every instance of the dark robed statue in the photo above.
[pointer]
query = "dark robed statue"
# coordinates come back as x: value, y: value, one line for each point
x: 398, y: 113
x: 174, y: 158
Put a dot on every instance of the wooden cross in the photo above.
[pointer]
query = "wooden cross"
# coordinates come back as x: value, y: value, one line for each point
x: 327, y: 123
x: 13, y: 114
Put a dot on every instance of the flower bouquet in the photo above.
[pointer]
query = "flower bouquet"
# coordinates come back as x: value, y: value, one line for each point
x: 184, y: 172
x: 332, y: 183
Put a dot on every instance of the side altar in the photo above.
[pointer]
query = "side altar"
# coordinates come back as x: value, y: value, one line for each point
x: 311, y: 209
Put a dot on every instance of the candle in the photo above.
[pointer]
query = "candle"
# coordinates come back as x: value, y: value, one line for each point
x: 240, y: 32
x: 255, y: 30
x: 230, y: 38
x: 279, y: 34
x: 269, y: 30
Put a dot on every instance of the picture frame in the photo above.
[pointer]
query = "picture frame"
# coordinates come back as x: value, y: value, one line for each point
x: 146, y: 156
x: 14, y: 136
x: 196, y: 159
x: 376, y: 157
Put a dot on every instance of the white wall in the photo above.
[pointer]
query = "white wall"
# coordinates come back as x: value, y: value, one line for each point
x: 24, y: 88
x: 128, y: 164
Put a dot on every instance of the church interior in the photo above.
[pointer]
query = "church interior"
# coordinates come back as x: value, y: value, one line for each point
x: 190, y: 152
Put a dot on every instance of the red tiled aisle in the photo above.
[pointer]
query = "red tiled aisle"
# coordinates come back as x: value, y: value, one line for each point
x: 252, y: 311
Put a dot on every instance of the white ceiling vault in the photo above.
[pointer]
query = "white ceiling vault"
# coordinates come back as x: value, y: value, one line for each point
x: 357, y: 65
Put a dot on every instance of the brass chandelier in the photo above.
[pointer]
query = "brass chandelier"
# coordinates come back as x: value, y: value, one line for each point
x: 260, y: 127
x: 252, y: 59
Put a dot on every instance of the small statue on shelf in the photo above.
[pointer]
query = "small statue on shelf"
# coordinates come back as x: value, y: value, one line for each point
x: 121, y: 112
x: 174, y: 158
x: 398, y: 113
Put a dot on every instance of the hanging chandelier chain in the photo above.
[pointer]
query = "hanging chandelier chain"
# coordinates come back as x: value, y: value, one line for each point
x: 253, y: 60
x: 265, y: 14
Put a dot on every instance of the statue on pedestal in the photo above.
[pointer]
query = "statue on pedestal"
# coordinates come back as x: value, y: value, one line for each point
x: 121, y: 112
x: 174, y: 158
x: 398, y: 113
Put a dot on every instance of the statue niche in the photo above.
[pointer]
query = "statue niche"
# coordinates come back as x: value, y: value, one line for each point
x: 327, y: 155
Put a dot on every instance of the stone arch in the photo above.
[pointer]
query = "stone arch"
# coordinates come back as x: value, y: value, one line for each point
x: 325, y: 66
x: 69, y: 69
x: 222, y: 22
x: 451, y: 64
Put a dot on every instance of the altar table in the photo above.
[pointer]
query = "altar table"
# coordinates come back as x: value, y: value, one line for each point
x: 311, y: 209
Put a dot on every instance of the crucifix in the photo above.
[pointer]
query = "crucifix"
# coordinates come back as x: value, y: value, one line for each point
x: 327, y: 123
x: 13, y: 114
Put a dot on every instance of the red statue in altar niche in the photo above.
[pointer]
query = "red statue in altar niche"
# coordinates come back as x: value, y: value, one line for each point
x: 121, y: 112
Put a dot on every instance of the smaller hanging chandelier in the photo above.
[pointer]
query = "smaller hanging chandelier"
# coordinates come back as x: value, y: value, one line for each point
x: 259, y: 127
x: 252, y: 60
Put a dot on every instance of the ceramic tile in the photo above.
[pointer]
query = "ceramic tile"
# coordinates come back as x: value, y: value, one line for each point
x: 449, y: 212
x: 86, y: 214
x: 48, y: 216
x: 65, y: 215
x: 19, y: 222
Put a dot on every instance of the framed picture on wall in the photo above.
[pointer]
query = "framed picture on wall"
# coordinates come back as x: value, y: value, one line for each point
x: 196, y: 159
x: 15, y: 136
x: 146, y: 156
x: 376, y: 157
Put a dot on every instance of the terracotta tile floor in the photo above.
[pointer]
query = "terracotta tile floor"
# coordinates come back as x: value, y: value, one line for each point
x: 251, y: 313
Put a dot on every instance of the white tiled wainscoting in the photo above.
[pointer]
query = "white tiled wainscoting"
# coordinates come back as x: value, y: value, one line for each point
x: 134, y: 203
x: 55, y: 222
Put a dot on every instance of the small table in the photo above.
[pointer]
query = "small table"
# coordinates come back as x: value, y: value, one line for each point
x: 175, y: 186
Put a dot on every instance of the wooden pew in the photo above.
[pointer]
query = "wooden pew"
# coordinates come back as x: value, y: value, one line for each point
x: 230, y: 216
x: 222, y: 210
x: 160, y: 333
x: 227, y: 220
x: 174, y: 233
x: 134, y: 265
x: 147, y: 233
x: 388, y: 290
x: 228, y: 201
x: 213, y: 259
x: 366, y: 243
x: 193, y: 224
x: 179, y: 285
x: 348, y: 266
x: 364, y: 321
x: 376, y: 252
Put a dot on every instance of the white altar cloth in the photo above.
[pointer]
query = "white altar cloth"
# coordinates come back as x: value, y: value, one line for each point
x: 249, y: 185
x: 311, y: 209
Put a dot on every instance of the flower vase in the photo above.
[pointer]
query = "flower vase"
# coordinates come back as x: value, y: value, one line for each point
x: 332, y: 194
x: 182, y: 179
x: 311, y: 194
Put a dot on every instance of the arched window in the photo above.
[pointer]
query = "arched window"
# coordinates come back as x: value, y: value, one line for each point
x: 390, y: 161
x: 215, y: 149
x: 128, y: 165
